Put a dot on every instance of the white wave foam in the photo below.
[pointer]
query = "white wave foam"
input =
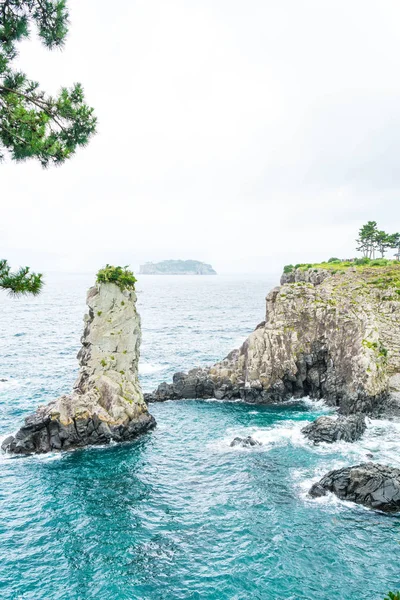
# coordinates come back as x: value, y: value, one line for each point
x: 9, y: 383
x: 281, y: 434
x: 381, y: 440
x: 148, y: 368
x: 380, y: 443
x: 222, y: 400
x: 318, y: 405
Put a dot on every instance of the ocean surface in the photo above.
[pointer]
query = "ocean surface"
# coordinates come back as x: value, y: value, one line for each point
x: 178, y: 514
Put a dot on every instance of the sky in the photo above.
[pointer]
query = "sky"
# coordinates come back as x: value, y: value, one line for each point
x: 244, y: 133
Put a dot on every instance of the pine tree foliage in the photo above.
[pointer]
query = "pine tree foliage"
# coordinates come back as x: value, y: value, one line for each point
x: 20, y: 282
x: 34, y: 124
x: 371, y: 239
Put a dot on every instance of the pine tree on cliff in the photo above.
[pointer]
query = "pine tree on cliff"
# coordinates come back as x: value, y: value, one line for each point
x: 383, y: 241
x: 20, y: 282
x: 34, y: 124
x: 367, y: 239
x: 395, y: 243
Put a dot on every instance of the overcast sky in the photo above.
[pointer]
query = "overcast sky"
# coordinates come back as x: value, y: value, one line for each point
x: 245, y: 133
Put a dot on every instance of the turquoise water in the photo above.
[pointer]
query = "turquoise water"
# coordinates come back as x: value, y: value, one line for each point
x: 179, y: 514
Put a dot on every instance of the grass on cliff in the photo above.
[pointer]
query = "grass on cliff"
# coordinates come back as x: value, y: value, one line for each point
x: 121, y: 276
x: 336, y: 264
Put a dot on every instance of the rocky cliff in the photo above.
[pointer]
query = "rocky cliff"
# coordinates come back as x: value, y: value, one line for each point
x: 106, y: 402
x: 326, y: 334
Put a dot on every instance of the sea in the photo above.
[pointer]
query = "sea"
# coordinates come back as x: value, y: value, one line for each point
x: 179, y: 514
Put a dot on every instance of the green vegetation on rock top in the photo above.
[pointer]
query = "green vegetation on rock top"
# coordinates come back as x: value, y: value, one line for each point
x: 335, y: 265
x: 370, y: 241
x: 121, y: 276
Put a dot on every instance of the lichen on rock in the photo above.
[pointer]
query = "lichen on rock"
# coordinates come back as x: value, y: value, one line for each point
x: 326, y: 335
x: 106, y: 402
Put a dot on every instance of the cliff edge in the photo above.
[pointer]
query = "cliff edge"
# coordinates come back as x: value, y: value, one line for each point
x: 106, y: 402
x: 332, y: 334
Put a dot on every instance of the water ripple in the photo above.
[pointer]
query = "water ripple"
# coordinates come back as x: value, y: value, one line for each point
x: 179, y: 514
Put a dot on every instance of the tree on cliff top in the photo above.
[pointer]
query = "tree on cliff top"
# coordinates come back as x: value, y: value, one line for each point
x: 366, y: 238
x: 34, y: 124
x: 21, y: 282
x: 371, y: 239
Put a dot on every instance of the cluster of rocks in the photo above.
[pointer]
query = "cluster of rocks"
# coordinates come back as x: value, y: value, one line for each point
x: 325, y: 335
x: 107, y: 402
x: 370, y: 484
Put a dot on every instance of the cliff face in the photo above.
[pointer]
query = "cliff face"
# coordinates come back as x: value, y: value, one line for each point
x: 106, y: 402
x: 326, y: 334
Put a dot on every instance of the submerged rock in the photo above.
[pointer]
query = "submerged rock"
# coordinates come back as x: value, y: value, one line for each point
x: 326, y: 335
x: 106, y: 402
x: 247, y: 442
x: 328, y: 429
x: 369, y: 484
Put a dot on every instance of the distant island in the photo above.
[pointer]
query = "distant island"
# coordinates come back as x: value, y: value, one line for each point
x: 177, y: 267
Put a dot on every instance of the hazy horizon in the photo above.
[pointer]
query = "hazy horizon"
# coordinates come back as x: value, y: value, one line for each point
x: 244, y: 135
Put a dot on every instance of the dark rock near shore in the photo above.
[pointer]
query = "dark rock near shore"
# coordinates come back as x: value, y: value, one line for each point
x: 328, y: 429
x: 39, y: 436
x: 313, y: 376
x: 247, y: 442
x: 373, y: 485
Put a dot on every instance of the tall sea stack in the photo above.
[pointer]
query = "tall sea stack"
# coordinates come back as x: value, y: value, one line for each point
x: 106, y: 402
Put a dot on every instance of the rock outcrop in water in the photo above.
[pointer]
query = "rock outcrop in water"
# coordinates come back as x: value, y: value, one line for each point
x: 106, y: 402
x: 329, y: 430
x: 246, y: 442
x: 326, y: 334
x: 373, y: 485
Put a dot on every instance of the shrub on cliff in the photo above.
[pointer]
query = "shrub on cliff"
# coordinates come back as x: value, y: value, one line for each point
x: 121, y: 276
x: 362, y: 261
x: 380, y: 262
x: 288, y: 268
x: 392, y: 596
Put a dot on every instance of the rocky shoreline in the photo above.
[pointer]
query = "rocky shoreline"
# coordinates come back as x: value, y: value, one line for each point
x: 325, y: 335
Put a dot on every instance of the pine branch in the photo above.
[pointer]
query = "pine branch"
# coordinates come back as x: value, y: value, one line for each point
x: 31, y: 124
x: 20, y: 283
